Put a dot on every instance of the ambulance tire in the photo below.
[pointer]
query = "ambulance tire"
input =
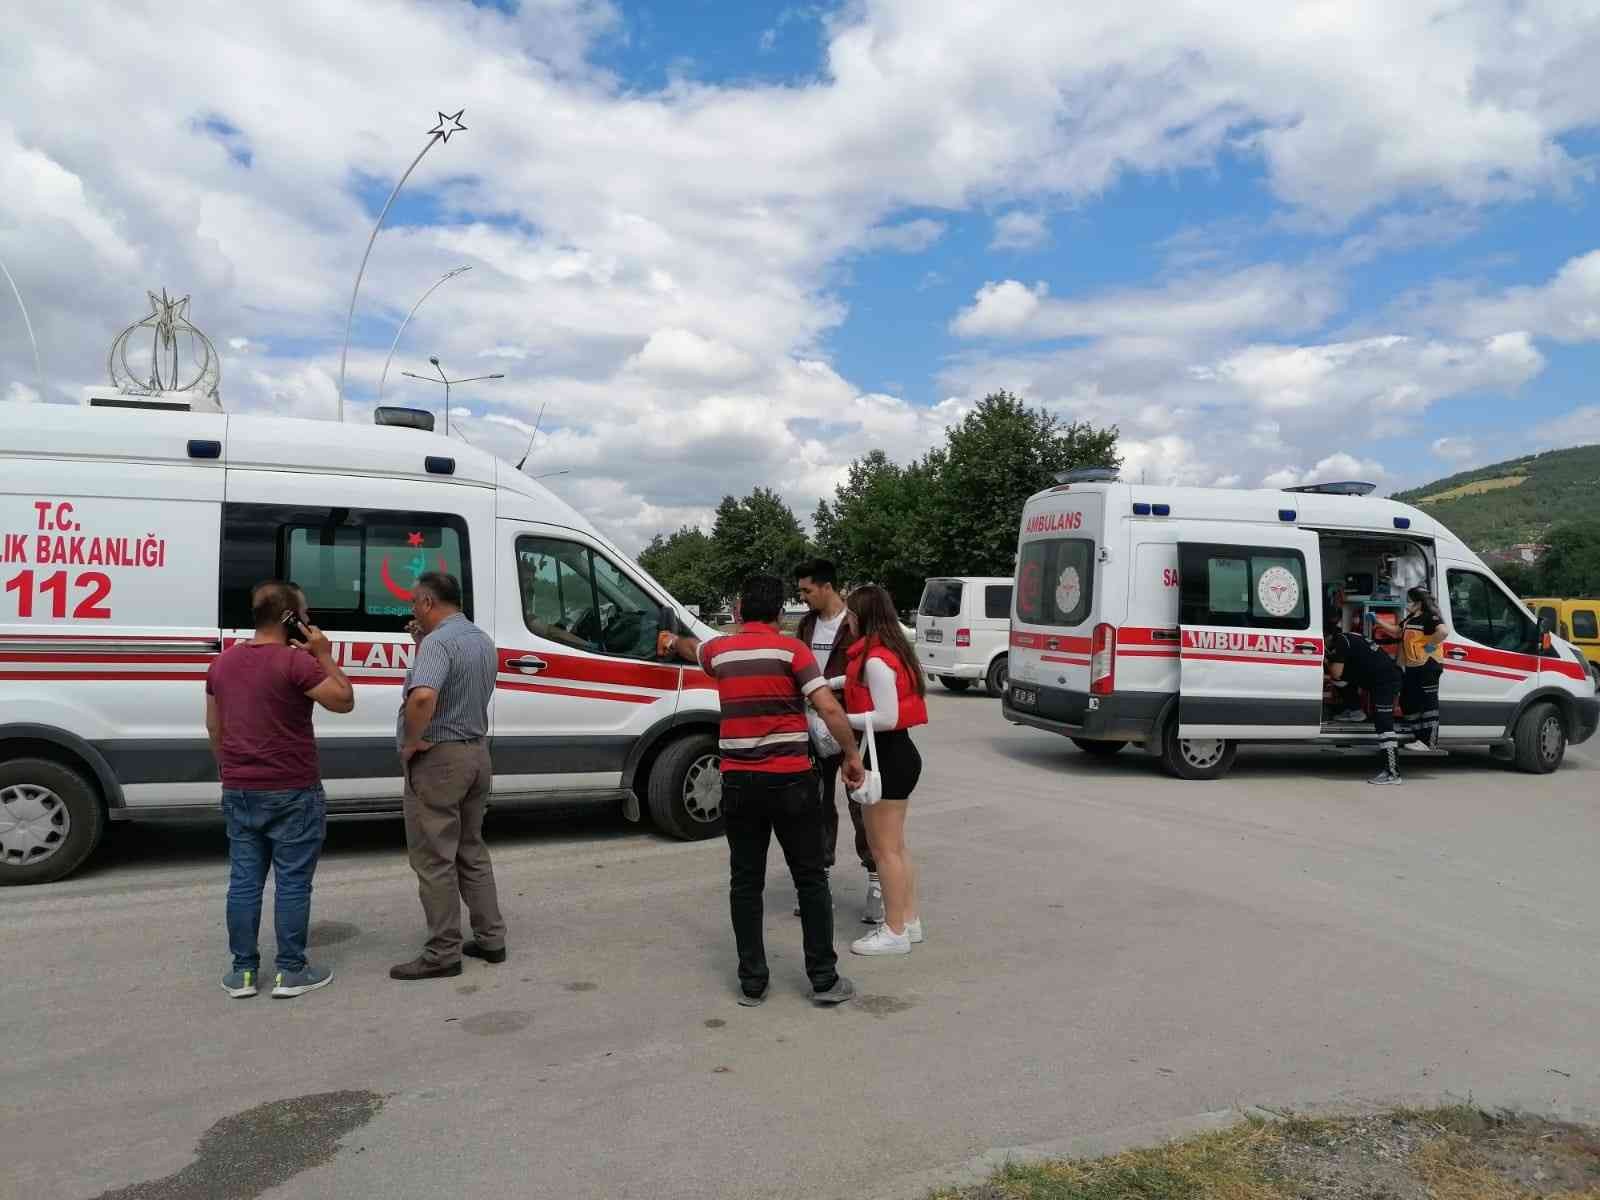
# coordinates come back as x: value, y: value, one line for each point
x: 64, y: 807
x: 685, y: 789
x: 1098, y: 747
x: 999, y: 677
x: 955, y: 683
x: 1541, y: 740
x: 1200, y: 760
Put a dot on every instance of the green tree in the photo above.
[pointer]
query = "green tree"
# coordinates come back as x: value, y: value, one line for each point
x: 1000, y: 454
x: 756, y: 534
x: 1571, y: 566
x: 684, y: 563
x: 870, y: 528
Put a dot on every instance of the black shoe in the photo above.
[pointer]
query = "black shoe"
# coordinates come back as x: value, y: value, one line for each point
x: 473, y: 950
x: 421, y: 968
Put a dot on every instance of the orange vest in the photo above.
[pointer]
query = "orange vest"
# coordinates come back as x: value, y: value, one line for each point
x: 858, y: 697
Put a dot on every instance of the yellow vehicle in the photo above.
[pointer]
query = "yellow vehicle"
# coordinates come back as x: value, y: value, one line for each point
x: 1576, y: 621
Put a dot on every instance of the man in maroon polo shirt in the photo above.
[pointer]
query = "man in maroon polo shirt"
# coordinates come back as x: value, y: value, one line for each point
x: 259, y: 697
x: 764, y: 681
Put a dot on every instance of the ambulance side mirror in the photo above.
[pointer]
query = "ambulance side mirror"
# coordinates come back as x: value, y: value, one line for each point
x: 1547, y: 626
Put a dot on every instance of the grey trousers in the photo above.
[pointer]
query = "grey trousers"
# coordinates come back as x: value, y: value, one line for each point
x: 447, y: 790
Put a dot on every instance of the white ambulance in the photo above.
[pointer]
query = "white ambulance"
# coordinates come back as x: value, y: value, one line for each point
x: 1190, y: 620
x: 130, y: 540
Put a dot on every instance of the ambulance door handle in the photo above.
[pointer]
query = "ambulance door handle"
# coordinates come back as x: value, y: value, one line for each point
x: 1164, y: 635
x: 1458, y: 655
x: 528, y: 664
x: 1307, y: 648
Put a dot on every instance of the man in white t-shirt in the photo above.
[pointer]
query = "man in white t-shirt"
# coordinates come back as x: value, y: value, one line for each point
x: 829, y: 635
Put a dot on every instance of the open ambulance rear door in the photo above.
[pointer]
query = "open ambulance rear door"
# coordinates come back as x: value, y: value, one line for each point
x: 1251, y: 625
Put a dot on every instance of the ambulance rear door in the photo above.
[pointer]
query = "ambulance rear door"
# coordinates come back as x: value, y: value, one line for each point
x: 1250, y: 614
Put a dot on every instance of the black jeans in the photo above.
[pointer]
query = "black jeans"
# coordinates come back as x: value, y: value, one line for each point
x: 756, y: 806
x: 829, y: 770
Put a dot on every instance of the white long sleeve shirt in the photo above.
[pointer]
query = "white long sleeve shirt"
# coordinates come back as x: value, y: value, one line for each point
x: 885, y: 697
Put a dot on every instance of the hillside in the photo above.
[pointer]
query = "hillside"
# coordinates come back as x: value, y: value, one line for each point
x: 1494, y: 507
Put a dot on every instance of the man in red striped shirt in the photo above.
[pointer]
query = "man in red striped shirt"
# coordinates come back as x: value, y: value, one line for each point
x: 764, y: 681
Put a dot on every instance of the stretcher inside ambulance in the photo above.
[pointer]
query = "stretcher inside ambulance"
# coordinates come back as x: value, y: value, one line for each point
x: 1190, y: 621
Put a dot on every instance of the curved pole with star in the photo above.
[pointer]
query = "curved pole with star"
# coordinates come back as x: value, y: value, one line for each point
x: 38, y: 370
x: 448, y: 275
x: 439, y: 133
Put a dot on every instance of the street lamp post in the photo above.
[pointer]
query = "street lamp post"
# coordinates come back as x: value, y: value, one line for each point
x: 445, y: 278
x: 38, y: 371
x: 448, y: 384
x: 441, y: 132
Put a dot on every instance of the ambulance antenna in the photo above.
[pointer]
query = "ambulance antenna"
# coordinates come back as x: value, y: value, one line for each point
x: 531, y: 436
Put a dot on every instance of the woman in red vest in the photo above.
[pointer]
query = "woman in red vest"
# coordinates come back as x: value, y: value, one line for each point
x: 882, y: 681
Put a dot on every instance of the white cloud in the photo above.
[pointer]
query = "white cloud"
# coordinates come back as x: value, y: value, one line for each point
x: 684, y: 354
x: 1579, y: 427
x: 1565, y: 308
x: 1456, y: 450
x: 666, y: 258
x: 1020, y: 231
x: 1267, y: 297
x: 909, y: 237
x: 1335, y: 467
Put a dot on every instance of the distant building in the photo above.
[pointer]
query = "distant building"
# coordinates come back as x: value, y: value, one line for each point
x: 1526, y: 553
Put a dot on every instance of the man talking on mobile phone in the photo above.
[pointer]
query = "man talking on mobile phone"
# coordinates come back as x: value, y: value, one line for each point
x: 259, y: 698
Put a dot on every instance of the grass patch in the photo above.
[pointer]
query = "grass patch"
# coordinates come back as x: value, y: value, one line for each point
x: 1476, y: 488
x: 1449, y: 1153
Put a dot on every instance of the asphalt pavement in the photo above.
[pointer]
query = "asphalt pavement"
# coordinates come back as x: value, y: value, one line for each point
x: 1107, y: 949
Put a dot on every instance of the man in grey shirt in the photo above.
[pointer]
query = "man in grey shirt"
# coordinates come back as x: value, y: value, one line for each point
x: 443, y: 731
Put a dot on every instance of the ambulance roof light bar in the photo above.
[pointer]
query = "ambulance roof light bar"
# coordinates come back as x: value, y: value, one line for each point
x: 404, y: 418
x: 1088, y: 475
x: 1346, y: 487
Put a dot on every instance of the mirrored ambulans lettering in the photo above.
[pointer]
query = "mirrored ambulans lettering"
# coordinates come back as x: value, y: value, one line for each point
x: 1257, y: 643
x: 1052, y: 522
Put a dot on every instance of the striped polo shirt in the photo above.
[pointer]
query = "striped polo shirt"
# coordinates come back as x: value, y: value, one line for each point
x: 458, y: 660
x: 762, y: 680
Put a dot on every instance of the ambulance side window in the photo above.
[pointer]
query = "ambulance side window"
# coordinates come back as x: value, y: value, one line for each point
x: 1252, y: 587
x: 358, y: 567
x: 578, y: 598
x: 1481, y: 611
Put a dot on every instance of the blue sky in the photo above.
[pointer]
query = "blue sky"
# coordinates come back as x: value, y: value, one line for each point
x: 723, y: 245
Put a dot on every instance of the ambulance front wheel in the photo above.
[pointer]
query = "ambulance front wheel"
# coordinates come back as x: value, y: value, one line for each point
x: 685, y: 789
x: 50, y: 820
x: 1195, y: 758
x: 1540, y: 740
x: 955, y: 683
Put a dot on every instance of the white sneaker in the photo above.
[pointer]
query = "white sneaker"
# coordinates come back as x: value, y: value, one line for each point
x: 882, y: 940
x: 914, y: 930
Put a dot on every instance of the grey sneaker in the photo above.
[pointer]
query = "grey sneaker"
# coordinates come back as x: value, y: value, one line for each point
x: 746, y: 1000
x: 872, y: 910
x: 1386, y: 778
x: 841, y: 991
x: 297, y: 983
x: 240, y: 984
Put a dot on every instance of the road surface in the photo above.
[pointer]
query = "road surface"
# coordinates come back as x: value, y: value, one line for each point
x: 1106, y: 948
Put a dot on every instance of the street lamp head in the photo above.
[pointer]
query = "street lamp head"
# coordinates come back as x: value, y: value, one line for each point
x: 497, y: 376
x: 434, y: 360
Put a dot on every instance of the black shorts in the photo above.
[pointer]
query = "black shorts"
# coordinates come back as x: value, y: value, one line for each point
x: 900, y: 765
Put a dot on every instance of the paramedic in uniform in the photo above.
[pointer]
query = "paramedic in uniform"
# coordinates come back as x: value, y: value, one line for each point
x: 1355, y: 660
x: 443, y: 729
x: 764, y: 681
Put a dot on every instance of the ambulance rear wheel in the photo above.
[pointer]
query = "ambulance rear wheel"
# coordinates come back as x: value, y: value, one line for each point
x: 1098, y: 747
x: 1541, y: 740
x: 1195, y: 758
x: 685, y: 789
x: 50, y: 820
x: 955, y: 683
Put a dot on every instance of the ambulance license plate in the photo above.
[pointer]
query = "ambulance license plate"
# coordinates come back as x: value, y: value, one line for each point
x: 1022, y: 697
x: 933, y: 635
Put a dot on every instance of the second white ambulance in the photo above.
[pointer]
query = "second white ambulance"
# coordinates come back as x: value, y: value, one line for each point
x: 1190, y: 620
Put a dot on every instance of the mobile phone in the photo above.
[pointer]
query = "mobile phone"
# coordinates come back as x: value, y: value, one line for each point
x: 295, y: 628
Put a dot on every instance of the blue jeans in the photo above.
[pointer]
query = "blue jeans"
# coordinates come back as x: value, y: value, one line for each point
x: 283, y: 831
